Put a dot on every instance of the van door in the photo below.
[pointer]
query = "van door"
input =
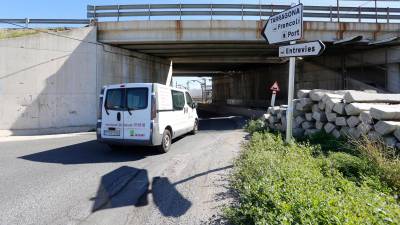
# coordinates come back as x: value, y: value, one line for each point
x: 112, y: 114
x: 191, y: 112
x: 137, y: 116
x: 179, y: 112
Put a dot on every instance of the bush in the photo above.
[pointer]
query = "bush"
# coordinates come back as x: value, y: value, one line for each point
x: 383, y: 159
x: 254, y: 126
x: 278, y: 184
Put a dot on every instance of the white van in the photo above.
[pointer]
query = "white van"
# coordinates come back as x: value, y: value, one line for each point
x: 145, y: 114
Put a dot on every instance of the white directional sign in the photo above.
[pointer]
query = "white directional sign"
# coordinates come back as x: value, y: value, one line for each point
x: 314, y: 48
x: 285, y: 26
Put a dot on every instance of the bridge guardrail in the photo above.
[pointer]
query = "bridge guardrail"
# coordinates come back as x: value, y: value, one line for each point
x: 317, y: 13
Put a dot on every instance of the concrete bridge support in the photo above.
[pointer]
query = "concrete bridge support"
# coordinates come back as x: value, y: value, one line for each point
x: 393, y: 73
x: 50, y: 83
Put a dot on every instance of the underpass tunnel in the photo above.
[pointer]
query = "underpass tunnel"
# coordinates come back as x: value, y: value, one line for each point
x: 243, y: 72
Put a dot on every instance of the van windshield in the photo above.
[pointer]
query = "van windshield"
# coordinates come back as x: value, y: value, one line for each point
x: 126, y: 98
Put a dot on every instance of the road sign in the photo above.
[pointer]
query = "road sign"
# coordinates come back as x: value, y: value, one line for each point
x: 314, y: 48
x: 285, y: 26
x: 275, y: 87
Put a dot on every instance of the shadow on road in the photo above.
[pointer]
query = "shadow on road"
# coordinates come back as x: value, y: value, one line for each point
x: 129, y: 186
x: 95, y: 152
x: 90, y: 152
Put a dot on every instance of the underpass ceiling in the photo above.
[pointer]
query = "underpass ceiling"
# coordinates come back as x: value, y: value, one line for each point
x: 204, y: 58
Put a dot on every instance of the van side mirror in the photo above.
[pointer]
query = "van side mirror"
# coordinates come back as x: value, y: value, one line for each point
x: 194, y: 105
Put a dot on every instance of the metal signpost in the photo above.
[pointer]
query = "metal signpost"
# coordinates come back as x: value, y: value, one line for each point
x: 274, y: 89
x: 284, y: 27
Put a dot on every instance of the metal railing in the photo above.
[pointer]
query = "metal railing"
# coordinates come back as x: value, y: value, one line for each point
x: 241, y: 11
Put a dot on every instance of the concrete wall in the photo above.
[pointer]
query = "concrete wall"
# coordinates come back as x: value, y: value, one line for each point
x: 252, y: 87
x: 50, y: 84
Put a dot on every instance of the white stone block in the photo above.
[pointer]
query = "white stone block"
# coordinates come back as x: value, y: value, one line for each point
x: 330, y: 103
x: 339, y: 108
x: 390, y: 141
x: 386, y: 127
x: 397, y: 133
x: 319, y: 116
x: 340, y: 121
x: 307, y: 125
x: 354, y: 133
x: 364, y: 128
x: 353, y: 121
x: 308, y: 116
x: 385, y: 112
x: 303, y: 93
x: 374, y: 136
x: 315, y: 108
x: 359, y: 96
x: 331, y: 117
x: 354, y: 109
x: 319, y: 125
x: 321, y: 105
x: 299, y: 120
x: 329, y: 127
x: 336, y: 133
x: 273, y: 110
x: 365, y: 117
x: 344, y: 131
x: 266, y: 117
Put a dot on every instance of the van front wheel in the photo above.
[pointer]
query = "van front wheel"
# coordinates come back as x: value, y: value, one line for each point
x: 166, y: 141
x: 195, y: 127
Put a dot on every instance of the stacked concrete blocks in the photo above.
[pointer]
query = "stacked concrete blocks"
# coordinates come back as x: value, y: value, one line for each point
x: 342, y: 113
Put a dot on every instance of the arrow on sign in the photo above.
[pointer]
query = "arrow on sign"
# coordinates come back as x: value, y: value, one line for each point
x: 284, y: 26
x: 275, y: 87
x: 314, y: 48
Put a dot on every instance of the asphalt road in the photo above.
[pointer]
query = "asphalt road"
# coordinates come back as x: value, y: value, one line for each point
x: 75, y: 180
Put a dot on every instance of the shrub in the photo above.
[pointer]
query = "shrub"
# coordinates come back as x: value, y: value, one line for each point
x: 278, y: 184
x: 382, y: 158
x: 254, y: 126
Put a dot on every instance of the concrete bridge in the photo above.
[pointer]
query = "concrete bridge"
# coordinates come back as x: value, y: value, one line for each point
x: 243, y: 65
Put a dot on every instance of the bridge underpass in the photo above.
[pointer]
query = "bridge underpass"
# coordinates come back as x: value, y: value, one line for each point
x: 243, y: 66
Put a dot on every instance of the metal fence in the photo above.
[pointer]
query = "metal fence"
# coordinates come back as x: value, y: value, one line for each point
x: 241, y: 11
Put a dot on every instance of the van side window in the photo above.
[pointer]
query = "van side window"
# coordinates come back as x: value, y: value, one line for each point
x: 137, y: 98
x: 114, y: 99
x: 178, y: 100
x: 189, y: 99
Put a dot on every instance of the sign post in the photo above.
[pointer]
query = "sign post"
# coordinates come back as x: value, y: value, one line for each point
x: 286, y: 26
x: 274, y: 89
x: 289, y: 111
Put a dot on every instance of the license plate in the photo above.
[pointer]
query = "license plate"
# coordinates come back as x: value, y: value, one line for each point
x: 112, y: 133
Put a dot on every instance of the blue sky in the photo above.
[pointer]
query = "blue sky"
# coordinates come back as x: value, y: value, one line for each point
x: 77, y: 8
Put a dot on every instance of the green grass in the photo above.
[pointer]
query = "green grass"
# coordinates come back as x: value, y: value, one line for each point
x: 295, y: 184
x: 13, y: 33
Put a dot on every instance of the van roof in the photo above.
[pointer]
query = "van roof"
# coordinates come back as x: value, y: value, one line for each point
x: 146, y: 84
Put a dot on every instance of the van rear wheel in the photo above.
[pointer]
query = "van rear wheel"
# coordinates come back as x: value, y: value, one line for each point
x: 166, y: 141
x: 195, y: 127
